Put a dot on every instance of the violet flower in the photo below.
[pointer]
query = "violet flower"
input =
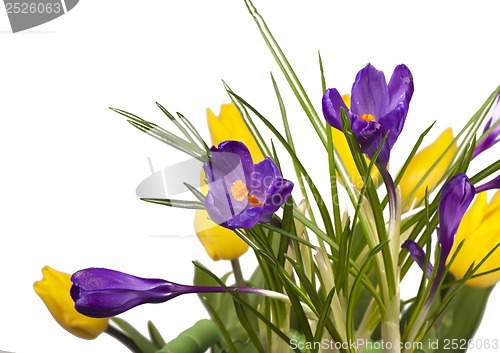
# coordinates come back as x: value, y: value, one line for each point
x: 377, y: 108
x: 241, y: 193
x: 456, y: 196
x: 493, y: 136
x: 100, y: 292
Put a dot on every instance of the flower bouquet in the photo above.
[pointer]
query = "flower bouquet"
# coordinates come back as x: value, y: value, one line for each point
x: 329, y: 276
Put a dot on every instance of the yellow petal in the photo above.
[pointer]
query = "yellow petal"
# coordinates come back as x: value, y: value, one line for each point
x: 220, y: 243
x: 479, y: 232
x: 54, y: 289
x: 342, y: 147
x: 229, y: 125
x: 421, y: 164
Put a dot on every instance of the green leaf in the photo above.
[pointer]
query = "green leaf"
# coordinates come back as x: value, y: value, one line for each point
x: 288, y: 72
x: 140, y: 341
x: 195, y: 205
x: 464, y: 315
x: 155, y: 335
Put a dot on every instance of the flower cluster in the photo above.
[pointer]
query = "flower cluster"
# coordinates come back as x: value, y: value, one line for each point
x: 323, y: 272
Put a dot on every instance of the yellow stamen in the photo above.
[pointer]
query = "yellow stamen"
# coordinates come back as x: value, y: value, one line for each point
x: 239, y: 190
x: 366, y: 117
x: 254, y: 201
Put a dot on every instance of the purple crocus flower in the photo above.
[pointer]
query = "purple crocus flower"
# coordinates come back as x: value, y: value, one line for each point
x: 242, y: 193
x: 100, y: 292
x: 456, y: 196
x: 493, y: 136
x: 376, y: 109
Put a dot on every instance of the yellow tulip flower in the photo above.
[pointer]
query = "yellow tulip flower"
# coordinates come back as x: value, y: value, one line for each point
x: 479, y: 231
x: 342, y: 147
x: 53, y: 289
x: 420, y: 165
x: 221, y: 243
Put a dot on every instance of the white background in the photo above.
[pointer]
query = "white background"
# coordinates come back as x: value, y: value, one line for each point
x: 70, y: 166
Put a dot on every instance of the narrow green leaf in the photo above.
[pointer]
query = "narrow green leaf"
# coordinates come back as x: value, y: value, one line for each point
x: 250, y: 124
x: 142, y: 342
x: 197, y: 193
x: 288, y: 72
x: 176, y: 123
x: 196, y: 205
x: 155, y: 335
x: 194, y: 131
x: 317, y: 195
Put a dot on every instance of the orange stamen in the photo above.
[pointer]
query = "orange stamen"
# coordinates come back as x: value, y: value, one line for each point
x: 366, y: 117
x: 254, y: 201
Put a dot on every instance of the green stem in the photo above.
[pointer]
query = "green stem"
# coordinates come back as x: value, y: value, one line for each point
x: 122, y: 338
x: 237, y: 273
x: 390, y: 321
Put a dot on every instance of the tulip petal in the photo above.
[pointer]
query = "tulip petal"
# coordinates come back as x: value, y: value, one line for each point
x: 54, y: 290
x: 219, y: 242
x: 421, y: 163
x: 229, y: 125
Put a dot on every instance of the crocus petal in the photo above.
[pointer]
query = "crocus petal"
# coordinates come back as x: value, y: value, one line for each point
x: 370, y: 94
x: 456, y: 196
x: 246, y: 219
x: 369, y: 140
x: 418, y: 255
x: 278, y: 193
x: 54, y: 289
x: 332, y: 102
x: 219, y: 242
x: 421, y: 164
x: 229, y: 157
x: 100, y: 292
x: 400, y: 86
x: 264, y: 173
